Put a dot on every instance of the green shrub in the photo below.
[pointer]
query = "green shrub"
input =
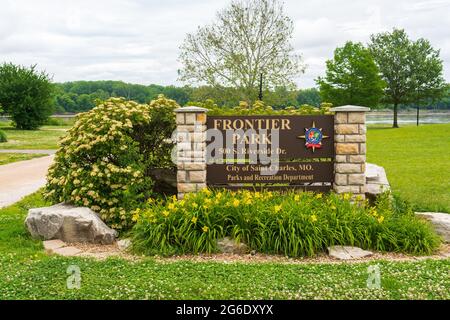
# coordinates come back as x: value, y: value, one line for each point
x: 293, y: 224
x: 26, y: 95
x: 3, y: 137
x: 105, y: 160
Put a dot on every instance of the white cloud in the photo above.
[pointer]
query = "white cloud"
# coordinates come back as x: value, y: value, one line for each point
x: 138, y: 40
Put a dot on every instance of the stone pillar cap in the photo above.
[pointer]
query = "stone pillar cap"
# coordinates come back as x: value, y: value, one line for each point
x: 350, y: 108
x: 191, y: 109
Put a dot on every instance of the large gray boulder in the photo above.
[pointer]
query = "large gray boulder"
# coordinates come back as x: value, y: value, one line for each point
x: 69, y: 224
x: 376, y: 181
x: 440, y: 222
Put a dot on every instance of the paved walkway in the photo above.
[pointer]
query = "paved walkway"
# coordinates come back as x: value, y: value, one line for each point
x: 22, y: 178
x: 32, y: 151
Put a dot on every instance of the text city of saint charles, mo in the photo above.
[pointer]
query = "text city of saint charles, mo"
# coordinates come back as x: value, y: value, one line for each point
x: 262, y: 141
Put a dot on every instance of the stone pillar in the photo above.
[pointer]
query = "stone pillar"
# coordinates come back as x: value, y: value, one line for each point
x: 350, y: 148
x: 191, y: 149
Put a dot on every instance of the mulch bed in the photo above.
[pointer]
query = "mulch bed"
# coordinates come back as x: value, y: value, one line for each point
x: 102, y: 252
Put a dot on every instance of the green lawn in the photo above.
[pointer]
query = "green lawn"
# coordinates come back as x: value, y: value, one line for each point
x: 6, y: 158
x: 417, y: 162
x: 26, y: 272
x: 45, y: 138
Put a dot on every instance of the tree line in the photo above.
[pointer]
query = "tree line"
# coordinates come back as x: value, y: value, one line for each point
x: 29, y: 96
x: 80, y: 96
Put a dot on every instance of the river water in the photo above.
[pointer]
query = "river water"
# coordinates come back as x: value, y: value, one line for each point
x: 386, y: 117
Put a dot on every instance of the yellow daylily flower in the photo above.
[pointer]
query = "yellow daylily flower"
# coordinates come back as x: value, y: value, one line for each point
x: 206, y: 191
x: 135, y: 217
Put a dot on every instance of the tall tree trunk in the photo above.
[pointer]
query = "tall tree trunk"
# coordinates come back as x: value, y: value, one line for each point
x: 417, y: 116
x: 395, y: 115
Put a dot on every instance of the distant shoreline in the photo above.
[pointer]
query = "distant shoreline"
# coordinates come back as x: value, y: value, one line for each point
x: 371, y: 113
x: 374, y: 112
x: 422, y: 112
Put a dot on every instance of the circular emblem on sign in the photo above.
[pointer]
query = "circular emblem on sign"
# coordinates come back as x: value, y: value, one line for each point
x: 313, y: 137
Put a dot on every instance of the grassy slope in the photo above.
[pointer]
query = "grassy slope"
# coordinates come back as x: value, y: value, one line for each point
x: 45, y: 138
x: 27, y: 273
x: 417, y: 162
x: 6, y: 158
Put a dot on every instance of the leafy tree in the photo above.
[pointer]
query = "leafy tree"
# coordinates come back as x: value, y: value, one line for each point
x: 249, y: 38
x: 66, y: 101
x: 85, y: 102
x: 223, y: 96
x: 26, y: 95
x: 352, y: 77
x: 280, y: 97
x: 100, y: 94
x: 412, y: 70
x: 3, y: 137
x: 81, y: 95
x: 309, y: 96
x: 444, y: 102
x: 181, y: 95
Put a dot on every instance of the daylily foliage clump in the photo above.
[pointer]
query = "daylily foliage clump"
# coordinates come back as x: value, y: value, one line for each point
x: 104, y: 161
x: 292, y: 224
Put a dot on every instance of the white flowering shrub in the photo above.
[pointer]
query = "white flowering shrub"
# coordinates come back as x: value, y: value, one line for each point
x: 104, y: 161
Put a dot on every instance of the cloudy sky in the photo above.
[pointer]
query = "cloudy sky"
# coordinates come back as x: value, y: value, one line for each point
x: 137, y: 40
